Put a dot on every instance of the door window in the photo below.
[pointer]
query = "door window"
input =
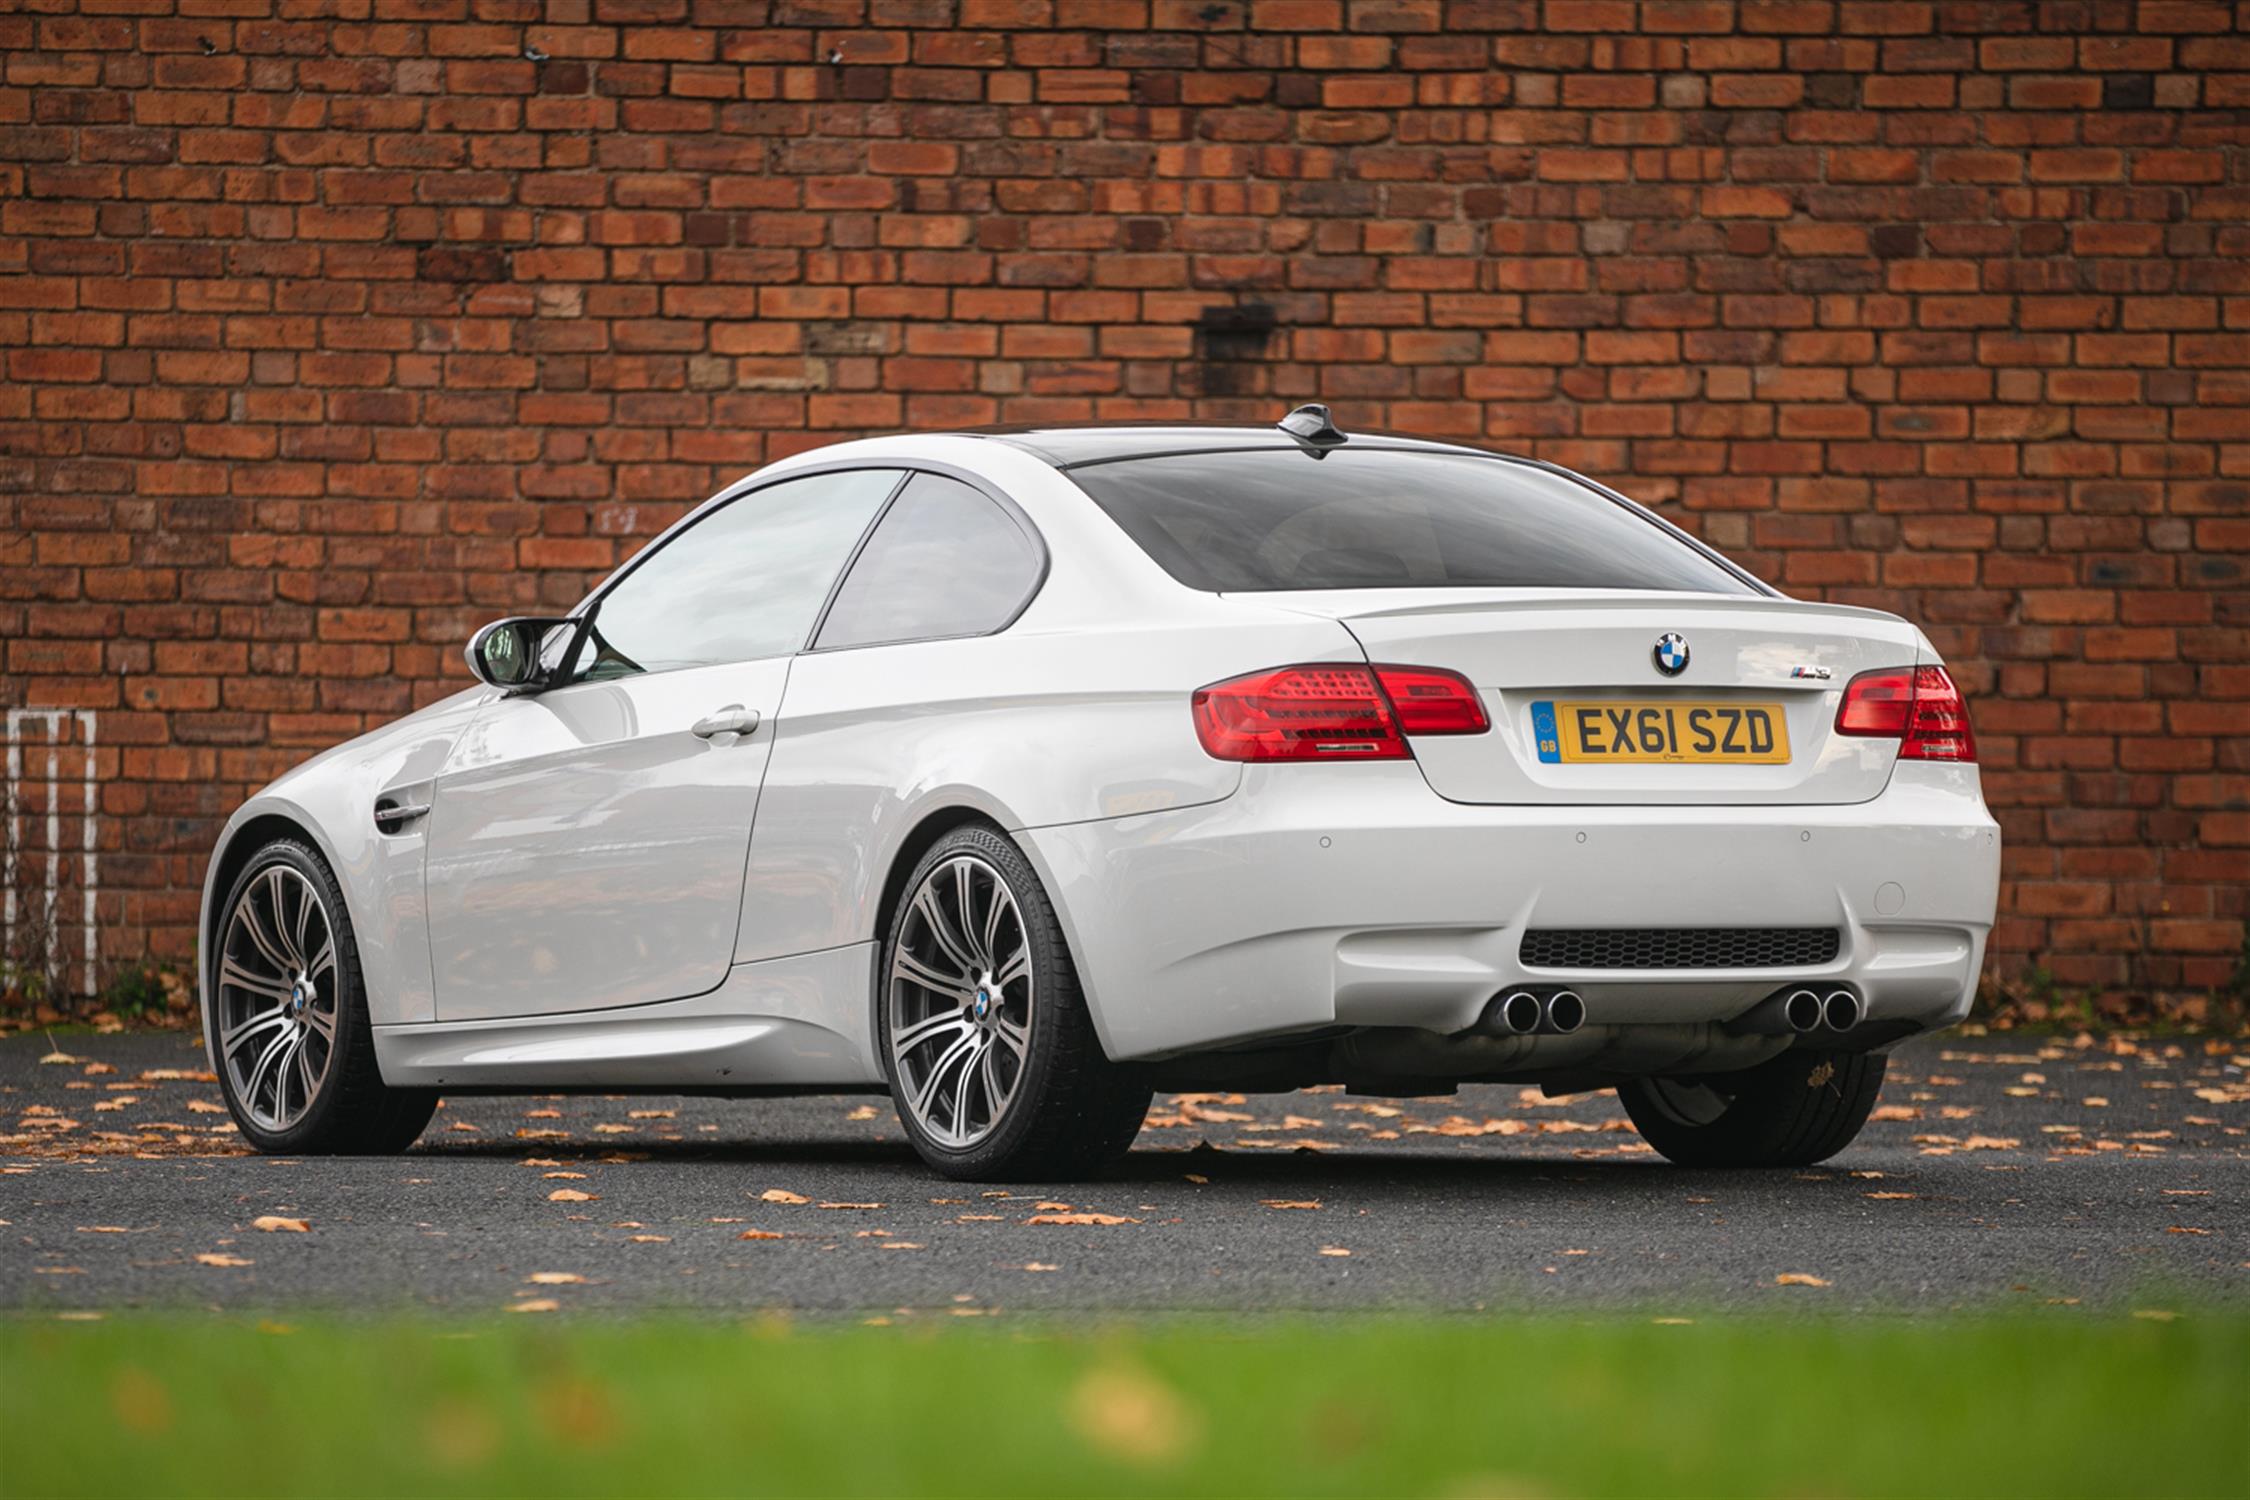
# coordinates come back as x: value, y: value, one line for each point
x: 947, y: 560
x: 744, y: 582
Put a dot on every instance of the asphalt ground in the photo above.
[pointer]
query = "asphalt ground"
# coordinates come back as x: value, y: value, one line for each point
x: 2113, y: 1172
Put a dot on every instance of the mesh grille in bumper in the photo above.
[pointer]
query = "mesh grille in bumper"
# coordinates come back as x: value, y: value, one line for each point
x: 1679, y: 947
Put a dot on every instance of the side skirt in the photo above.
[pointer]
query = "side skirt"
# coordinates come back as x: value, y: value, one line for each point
x: 785, y: 1025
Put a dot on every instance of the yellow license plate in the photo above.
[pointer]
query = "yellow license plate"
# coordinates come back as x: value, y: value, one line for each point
x: 1634, y: 733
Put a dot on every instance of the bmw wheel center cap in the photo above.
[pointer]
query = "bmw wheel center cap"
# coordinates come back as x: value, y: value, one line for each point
x: 1671, y: 653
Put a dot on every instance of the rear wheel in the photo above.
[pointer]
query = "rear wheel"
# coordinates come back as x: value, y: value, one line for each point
x: 289, y: 1017
x: 984, y: 1033
x: 1799, y: 1108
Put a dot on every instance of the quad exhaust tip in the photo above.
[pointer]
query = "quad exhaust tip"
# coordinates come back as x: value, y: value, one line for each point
x: 1564, y: 1012
x: 1842, y: 1010
x: 1522, y: 1013
x: 1803, y: 1011
x: 1519, y: 1014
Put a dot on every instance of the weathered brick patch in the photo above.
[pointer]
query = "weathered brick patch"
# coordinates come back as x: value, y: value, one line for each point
x: 332, y: 329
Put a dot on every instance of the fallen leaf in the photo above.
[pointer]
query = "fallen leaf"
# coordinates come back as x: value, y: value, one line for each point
x: 2184, y: 1229
x: 1080, y: 1218
x: 758, y: 1234
x: 1036, y: 1265
x: 1797, y: 1278
x: 652, y: 1239
x: 276, y: 1224
x: 555, y: 1278
x: 103, y: 1229
x: 858, y: 1206
x: 1337, y: 1250
x: 534, y: 1304
x: 1291, y: 1203
x: 59, y: 1058
x: 1198, y: 1179
x: 2155, y: 1314
x: 214, y: 1258
x: 571, y: 1195
x: 779, y: 1195
x: 205, y: 1107
x: 1129, y: 1414
x: 864, y: 1112
x: 1886, y: 1197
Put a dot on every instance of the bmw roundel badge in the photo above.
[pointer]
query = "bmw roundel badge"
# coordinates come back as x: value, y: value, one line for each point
x: 1671, y: 653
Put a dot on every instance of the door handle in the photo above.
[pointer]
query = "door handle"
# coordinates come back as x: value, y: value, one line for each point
x: 733, y: 719
x: 392, y: 817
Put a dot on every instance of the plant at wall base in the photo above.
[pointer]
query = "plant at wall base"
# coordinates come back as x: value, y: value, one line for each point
x: 2038, y: 1002
x: 144, y: 992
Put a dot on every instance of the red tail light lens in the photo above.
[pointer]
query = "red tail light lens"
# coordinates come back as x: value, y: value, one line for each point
x: 1917, y: 706
x: 1429, y: 701
x: 1333, y: 711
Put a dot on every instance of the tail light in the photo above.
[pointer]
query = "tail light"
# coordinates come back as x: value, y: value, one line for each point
x: 1917, y: 706
x: 1333, y: 711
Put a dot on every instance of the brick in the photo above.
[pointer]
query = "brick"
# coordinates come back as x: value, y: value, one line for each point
x: 312, y: 358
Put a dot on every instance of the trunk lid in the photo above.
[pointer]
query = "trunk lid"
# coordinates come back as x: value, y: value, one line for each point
x: 1587, y: 661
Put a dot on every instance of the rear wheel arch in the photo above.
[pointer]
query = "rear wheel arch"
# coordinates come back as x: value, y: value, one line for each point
x: 936, y: 824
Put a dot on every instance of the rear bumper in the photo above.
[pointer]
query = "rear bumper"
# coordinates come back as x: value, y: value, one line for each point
x: 1322, y: 896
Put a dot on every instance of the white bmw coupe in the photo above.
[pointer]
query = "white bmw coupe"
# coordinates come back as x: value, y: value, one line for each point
x: 1023, y: 773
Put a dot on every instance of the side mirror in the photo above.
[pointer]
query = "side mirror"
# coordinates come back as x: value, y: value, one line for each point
x: 505, y: 654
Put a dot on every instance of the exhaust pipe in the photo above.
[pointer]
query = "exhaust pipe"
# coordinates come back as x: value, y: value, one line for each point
x: 1564, y: 1012
x: 1791, y: 1014
x: 1842, y: 1010
x: 1803, y: 1011
x: 1513, y: 1015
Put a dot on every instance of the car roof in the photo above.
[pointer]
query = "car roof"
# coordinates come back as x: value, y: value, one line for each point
x: 1075, y: 447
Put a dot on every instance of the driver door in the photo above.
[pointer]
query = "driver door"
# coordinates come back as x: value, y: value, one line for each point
x: 586, y: 843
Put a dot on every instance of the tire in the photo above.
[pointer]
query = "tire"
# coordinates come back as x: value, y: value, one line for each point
x: 296, y: 1054
x: 1000, y: 1077
x: 1799, y: 1108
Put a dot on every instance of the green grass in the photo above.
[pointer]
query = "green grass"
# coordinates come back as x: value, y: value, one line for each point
x: 2060, y: 1404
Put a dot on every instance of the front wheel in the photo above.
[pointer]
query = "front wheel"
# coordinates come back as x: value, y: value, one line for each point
x: 289, y: 1023
x: 984, y: 1032
x: 1799, y: 1108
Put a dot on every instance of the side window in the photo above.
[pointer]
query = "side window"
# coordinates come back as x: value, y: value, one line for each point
x: 742, y: 583
x: 946, y: 561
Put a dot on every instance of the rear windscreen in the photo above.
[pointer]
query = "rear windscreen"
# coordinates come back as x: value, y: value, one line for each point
x: 1277, y: 518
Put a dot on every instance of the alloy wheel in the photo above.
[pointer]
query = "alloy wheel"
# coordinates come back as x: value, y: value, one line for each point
x: 277, y: 997
x: 960, y: 1002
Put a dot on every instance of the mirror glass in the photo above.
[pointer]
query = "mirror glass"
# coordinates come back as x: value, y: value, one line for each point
x: 505, y: 654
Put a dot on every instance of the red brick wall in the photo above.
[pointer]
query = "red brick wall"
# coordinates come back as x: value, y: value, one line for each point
x: 327, y: 339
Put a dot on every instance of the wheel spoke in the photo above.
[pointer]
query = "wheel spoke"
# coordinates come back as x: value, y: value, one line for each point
x: 995, y: 1096
x: 322, y: 1022
x: 941, y: 931
x: 305, y: 905
x: 231, y: 972
x: 323, y: 961
x: 908, y: 1038
x: 965, y: 903
x: 268, y: 947
x: 968, y: 1078
x: 272, y: 1055
x: 960, y: 1051
x: 276, y: 905
x: 1000, y: 905
x: 243, y: 1030
x: 305, y: 1079
x: 1017, y: 967
x: 917, y: 971
x: 1017, y: 1036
